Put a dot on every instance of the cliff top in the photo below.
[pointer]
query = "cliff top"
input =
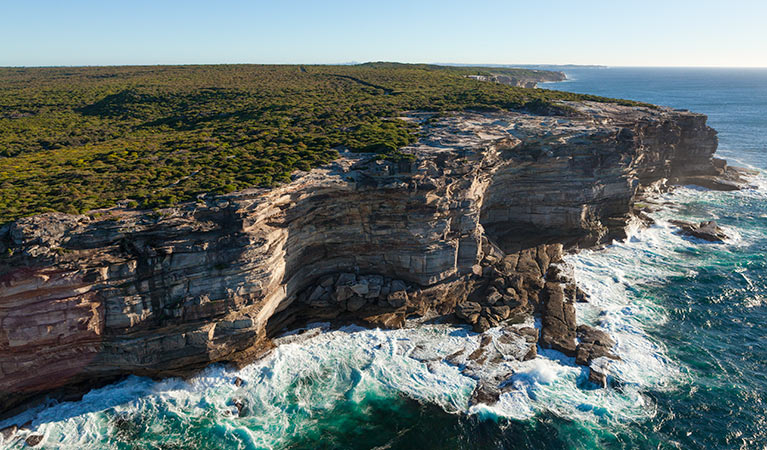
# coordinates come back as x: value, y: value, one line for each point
x: 78, y: 139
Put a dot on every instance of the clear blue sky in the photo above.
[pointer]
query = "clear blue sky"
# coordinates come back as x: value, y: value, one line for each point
x: 633, y: 33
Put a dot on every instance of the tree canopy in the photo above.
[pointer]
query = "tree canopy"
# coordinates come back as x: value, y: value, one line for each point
x: 77, y: 139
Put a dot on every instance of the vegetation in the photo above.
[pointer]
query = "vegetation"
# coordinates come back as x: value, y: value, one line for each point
x: 77, y: 139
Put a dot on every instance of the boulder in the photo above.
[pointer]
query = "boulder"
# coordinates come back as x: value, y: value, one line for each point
x: 242, y: 406
x: 502, y: 311
x: 8, y: 432
x: 708, y: 230
x: 467, y: 309
x: 397, y: 299
x: 342, y: 293
x: 316, y: 294
x: 355, y: 303
x: 360, y: 288
x: 482, y: 325
x: 529, y: 333
x: 598, y: 370
x: 593, y: 344
x: 386, y: 320
x: 374, y: 291
x: 485, y: 393
x: 492, y: 296
x: 597, y: 377
x: 346, y: 279
x: 34, y: 439
x: 397, y: 285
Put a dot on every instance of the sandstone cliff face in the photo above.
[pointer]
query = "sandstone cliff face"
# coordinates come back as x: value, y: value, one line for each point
x: 474, y: 225
x: 530, y: 81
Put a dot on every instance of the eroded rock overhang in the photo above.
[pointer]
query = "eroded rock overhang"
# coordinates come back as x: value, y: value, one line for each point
x: 474, y: 226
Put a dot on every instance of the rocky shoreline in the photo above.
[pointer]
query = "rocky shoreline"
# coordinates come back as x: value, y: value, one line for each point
x: 473, y: 228
x: 530, y: 82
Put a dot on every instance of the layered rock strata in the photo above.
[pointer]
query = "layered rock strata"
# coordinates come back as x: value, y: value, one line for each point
x: 473, y: 227
x: 530, y: 81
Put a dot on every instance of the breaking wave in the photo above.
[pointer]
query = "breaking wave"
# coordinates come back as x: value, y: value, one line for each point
x: 319, y: 379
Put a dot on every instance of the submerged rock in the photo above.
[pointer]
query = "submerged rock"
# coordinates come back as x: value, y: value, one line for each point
x: 241, y: 405
x: 489, y: 362
x: 33, y: 440
x: 485, y: 393
x: 598, y: 370
x: 707, y: 230
x: 593, y: 344
x: 355, y: 303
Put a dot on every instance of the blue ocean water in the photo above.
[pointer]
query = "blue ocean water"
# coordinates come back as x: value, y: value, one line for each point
x: 688, y: 317
x: 735, y: 100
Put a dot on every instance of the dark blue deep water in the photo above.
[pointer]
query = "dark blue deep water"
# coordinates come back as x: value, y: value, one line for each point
x: 735, y: 100
x: 717, y: 319
x: 690, y: 320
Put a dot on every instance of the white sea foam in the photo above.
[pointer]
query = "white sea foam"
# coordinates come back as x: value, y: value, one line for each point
x: 311, y: 373
x: 614, y: 278
x: 302, y: 379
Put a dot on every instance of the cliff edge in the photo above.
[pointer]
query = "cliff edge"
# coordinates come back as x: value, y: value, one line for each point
x: 474, y: 227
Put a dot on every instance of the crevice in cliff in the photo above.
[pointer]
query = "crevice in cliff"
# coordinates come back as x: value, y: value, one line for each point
x: 472, y: 229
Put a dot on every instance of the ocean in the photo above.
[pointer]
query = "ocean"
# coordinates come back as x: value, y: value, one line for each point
x: 689, y: 319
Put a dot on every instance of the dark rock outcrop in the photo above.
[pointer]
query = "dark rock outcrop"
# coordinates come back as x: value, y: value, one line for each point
x: 471, y: 225
x: 598, y: 374
x: 8, y: 432
x: 595, y: 351
x: 593, y: 344
x: 558, y: 320
x: 34, y: 440
x: 708, y: 230
x: 718, y: 176
x: 485, y: 362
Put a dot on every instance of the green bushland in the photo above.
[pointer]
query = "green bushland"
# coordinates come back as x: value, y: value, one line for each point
x: 77, y: 139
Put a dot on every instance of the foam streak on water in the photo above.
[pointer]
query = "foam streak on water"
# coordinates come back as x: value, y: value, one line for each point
x: 309, y: 377
x: 323, y: 373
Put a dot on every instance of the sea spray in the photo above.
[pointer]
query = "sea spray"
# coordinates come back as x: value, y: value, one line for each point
x: 321, y: 374
x: 283, y: 395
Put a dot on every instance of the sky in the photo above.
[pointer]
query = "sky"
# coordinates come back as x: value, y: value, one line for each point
x: 614, y: 33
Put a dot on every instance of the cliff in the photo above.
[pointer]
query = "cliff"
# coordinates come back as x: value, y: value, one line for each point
x: 529, y: 80
x: 474, y: 226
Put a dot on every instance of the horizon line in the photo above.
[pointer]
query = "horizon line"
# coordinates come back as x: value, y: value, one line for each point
x: 498, y: 65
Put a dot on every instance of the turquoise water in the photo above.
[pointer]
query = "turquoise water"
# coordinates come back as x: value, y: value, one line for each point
x: 688, y: 318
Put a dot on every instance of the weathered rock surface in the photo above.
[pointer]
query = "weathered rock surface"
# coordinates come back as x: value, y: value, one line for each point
x: 708, y: 230
x: 721, y: 178
x: 471, y: 226
x: 33, y: 440
x: 487, y: 362
x: 529, y: 81
x: 8, y: 432
x: 593, y: 343
x: 595, y: 351
x: 598, y: 370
